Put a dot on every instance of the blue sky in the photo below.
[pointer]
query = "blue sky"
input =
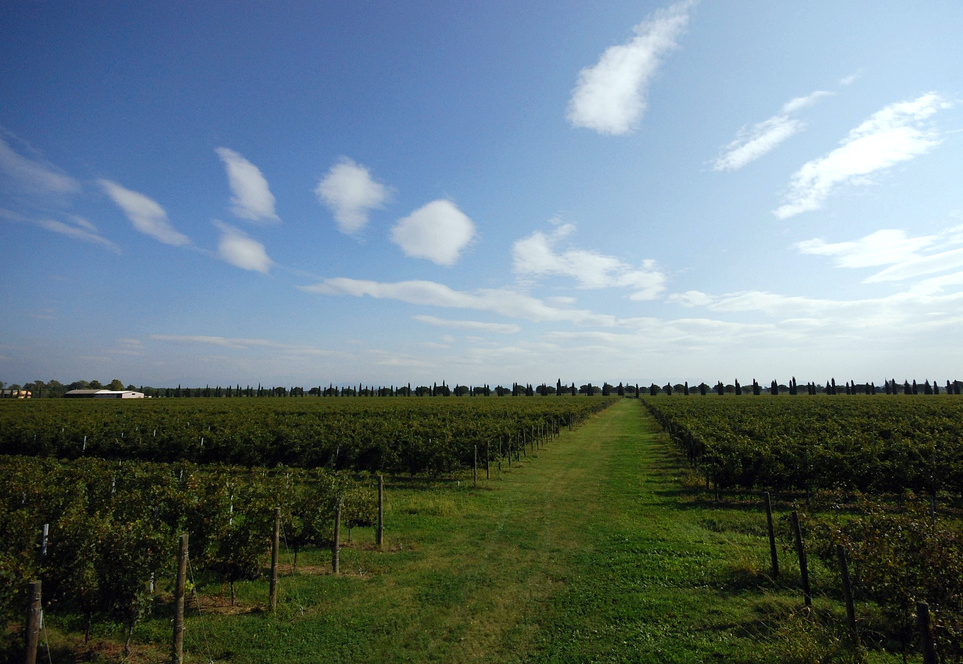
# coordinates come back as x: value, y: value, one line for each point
x: 308, y: 193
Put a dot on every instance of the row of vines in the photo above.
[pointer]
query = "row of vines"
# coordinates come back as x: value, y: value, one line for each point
x: 94, y: 494
x: 99, y: 533
x: 863, y: 444
x: 872, y: 471
x: 402, y: 435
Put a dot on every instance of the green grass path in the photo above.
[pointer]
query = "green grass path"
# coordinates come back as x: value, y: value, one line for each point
x: 583, y: 553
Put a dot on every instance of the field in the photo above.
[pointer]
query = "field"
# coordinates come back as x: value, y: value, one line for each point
x: 599, y: 543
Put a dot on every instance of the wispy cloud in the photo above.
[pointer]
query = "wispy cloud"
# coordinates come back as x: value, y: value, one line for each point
x: 438, y: 232
x: 852, y: 78
x: 349, y: 191
x: 892, y: 135
x: 922, y: 266
x: 752, y: 143
x: 239, y: 250
x: 80, y: 229
x: 536, y: 256
x: 906, y: 257
x: 913, y: 308
x: 240, y: 343
x: 471, y: 325
x: 883, y: 247
x: 610, y: 96
x: 252, y: 197
x: 32, y: 175
x: 501, y: 301
x: 144, y: 214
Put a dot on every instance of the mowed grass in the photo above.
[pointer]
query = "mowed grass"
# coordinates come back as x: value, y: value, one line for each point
x: 591, y: 550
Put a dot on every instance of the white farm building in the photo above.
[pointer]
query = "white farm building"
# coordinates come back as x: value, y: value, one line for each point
x: 104, y: 394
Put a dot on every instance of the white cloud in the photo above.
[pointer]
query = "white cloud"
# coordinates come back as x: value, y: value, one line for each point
x: 237, y: 249
x: 145, y: 214
x: 501, y: 301
x: 849, y: 80
x: 924, y: 265
x: 610, y: 96
x: 252, y: 198
x: 235, y: 343
x: 905, y: 310
x: 81, y: 230
x: 904, y: 255
x: 475, y: 326
x: 439, y: 232
x: 349, y: 191
x: 883, y: 247
x: 692, y: 298
x: 535, y: 255
x: 892, y: 135
x: 34, y: 176
x: 763, y: 137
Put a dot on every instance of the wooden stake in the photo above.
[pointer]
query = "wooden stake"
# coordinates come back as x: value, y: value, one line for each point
x: 847, y: 590
x: 275, y: 545
x: 336, y: 548
x: 926, y: 636
x: 34, y: 613
x: 803, y: 566
x: 177, y: 648
x: 381, y: 511
x: 772, y: 537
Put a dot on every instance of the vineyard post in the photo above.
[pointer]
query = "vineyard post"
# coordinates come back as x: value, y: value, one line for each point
x: 488, y: 460
x: 772, y: 537
x: 381, y: 511
x: 275, y: 545
x: 43, y: 542
x: 801, y: 552
x: 474, y: 466
x: 177, y: 647
x: 847, y: 590
x: 34, y: 613
x: 926, y: 636
x: 336, y: 547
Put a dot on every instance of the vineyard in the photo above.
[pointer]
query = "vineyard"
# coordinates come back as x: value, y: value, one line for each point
x: 94, y: 495
x: 881, y: 479
x: 398, y: 435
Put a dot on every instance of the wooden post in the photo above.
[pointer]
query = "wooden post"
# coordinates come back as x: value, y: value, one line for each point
x: 772, y: 537
x: 488, y: 460
x: 474, y: 467
x: 336, y: 548
x: 381, y: 511
x: 34, y: 613
x: 926, y: 636
x: 847, y: 590
x: 177, y: 648
x: 801, y: 552
x: 275, y: 545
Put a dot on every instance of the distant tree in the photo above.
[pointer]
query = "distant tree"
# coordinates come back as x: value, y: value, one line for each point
x: 738, y: 388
